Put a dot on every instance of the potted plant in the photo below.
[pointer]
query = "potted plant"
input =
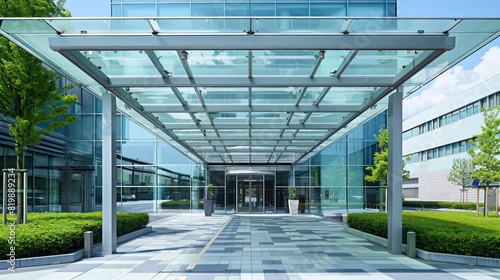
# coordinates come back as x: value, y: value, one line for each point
x: 208, y: 201
x: 293, y: 203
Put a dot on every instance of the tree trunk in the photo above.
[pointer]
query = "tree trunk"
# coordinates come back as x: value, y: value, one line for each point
x: 485, y: 212
x: 477, y: 202
x: 496, y: 201
x: 20, y: 189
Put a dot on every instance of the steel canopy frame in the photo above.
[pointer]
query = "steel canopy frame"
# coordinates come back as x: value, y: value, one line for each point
x: 223, y: 41
x: 71, y: 47
x: 208, y: 139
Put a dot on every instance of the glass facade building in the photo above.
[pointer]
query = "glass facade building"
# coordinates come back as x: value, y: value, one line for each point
x: 65, y: 172
x: 260, y: 8
x: 239, y: 110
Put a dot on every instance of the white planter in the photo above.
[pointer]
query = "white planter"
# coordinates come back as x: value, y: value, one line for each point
x: 293, y: 205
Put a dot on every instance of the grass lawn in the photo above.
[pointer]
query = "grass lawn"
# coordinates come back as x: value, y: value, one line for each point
x: 460, y: 233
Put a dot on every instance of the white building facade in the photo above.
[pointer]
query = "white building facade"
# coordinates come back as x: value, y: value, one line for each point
x: 434, y: 138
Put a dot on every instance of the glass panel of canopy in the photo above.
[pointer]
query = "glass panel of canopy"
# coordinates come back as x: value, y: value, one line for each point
x: 260, y: 90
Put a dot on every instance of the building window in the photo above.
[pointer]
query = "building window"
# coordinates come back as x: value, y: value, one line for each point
x: 436, y: 123
x: 449, y: 150
x: 469, y: 110
x: 454, y: 116
x: 462, y: 113
x: 447, y: 119
x: 468, y: 145
x: 484, y: 103
x: 476, y: 107
x: 410, y: 192
x: 442, y: 151
x: 463, y: 145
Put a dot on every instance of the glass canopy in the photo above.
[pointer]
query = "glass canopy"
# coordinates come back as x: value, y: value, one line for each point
x: 250, y: 90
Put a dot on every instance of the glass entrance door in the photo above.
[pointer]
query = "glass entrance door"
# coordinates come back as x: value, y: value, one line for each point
x: 250, y: 194
x: 72, y: 195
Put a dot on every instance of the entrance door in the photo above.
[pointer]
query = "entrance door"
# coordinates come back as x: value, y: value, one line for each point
x: 250, y: 194
x: 73, y: 194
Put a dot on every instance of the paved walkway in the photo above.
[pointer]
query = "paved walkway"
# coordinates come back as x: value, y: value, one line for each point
x: 264, y: 247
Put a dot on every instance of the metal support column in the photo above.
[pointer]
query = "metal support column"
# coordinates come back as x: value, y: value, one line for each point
x: 395, y: 192
x: 108, y: 174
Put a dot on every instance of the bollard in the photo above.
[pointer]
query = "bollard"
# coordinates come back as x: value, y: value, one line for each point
x: 88, y: 244
x: 411, y: 250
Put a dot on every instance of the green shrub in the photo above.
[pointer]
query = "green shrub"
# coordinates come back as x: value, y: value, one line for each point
x: 441, y: 204
x: 460, y: 233
x: 59, y: 233
x: 179, y: 204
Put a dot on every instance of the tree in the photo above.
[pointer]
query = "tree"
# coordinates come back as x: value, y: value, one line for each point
x: 29, y: 96
x: 461, y: 174
x: 379, y: 173
x: 485, y: 153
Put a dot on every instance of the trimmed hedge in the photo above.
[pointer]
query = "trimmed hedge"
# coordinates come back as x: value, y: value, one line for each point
x: 179, y: 204
x: 60, y: 233
x: 460, y: 233
x: 442, y: 204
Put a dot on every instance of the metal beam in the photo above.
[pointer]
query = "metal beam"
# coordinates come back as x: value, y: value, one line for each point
x: 255, y: 42
x: 416, y: 65
x: 319, y: 58
x: 156, y: 62
x: 239, y: 126
x: 254, y: 108
x: 423, y: 59
x: 250, y: 64
x: 322, y: 95
x: 301, y: 95
x: 347, y: 60
x: 245, y: 137
x: 268, y: 81
x: 87, y: 66
x: 78, y: 59
x: 254, y: 150
x: 108, y: 174
x: 394, y: 175
x: 95, y: 73
x: 268, y: 143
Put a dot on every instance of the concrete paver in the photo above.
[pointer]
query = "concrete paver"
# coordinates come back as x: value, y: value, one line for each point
x: 254, y: 247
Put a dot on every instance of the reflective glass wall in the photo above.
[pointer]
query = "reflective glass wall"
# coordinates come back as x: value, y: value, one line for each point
x: 65, y: 170
x: 243, y: 8
x: 336, y: 174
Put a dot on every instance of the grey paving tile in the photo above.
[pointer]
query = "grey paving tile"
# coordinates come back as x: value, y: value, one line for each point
x: 267, y: 247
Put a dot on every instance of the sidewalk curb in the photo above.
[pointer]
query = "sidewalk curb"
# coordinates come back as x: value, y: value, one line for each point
x: 69, y: 257
x: 431, y: 256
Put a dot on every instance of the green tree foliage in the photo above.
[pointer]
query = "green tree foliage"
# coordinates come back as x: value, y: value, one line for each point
x: 485, y: 153
x: 29, y: 96
x: 461, y: 173
x: 33, y: 8
x: 379, y: 173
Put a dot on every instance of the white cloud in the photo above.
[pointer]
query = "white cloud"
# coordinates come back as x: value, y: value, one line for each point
x: 453, y: 82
